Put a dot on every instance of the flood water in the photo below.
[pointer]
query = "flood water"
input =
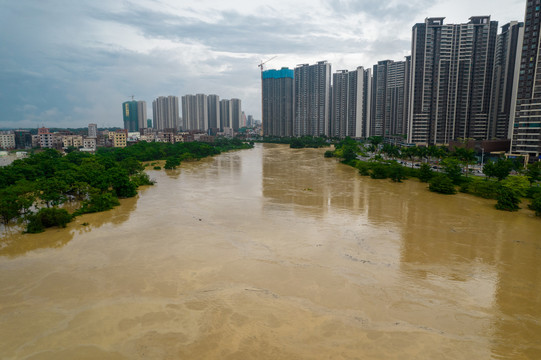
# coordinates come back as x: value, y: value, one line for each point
x: 277, y: 253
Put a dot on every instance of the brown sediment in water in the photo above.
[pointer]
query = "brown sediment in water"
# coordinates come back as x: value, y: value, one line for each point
x: 232, y: 257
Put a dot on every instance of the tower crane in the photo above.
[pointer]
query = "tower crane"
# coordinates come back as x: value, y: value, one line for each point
x: 264, y: 62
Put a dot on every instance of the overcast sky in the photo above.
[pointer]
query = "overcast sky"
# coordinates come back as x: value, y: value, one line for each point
x: 68, y: 63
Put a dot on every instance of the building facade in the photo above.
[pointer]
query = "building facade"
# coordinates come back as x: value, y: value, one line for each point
x: 526, y: 128
x: 451, y: 80
x: 277, y: 102
x: 312, y: 99
x: 351, y: 103
x: 213, y: 113
x: 165, y: 110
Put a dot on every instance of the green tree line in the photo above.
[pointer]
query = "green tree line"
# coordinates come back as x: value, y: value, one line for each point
x: 33, y: 189
x: 380, y: 162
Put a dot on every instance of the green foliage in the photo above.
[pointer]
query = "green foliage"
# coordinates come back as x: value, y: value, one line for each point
x: 375, y: 140
x: 451, y: 168
x: 121, y: 183
x: 483, y: 188
x: 499, y: 169
x: 364, y: 168
x: 508, y: 199
x: 425, y: 173
x: 517, y: 183
x: 533, y: 171
x: 98, y: 202
x: 533, y: 191
x: 397, y: 172
x: 47, y: 217
x: 300, y: 142
x: 379, y: 171
x: 52, y: 191
x: 141, y: 178
x: 442, y: 184
x: 329, y: 154
x: 172, y: 163
x: 535, y: 205
x: 157, y: 167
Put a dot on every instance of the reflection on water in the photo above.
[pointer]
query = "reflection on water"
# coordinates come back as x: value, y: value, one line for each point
x: 277, y: 253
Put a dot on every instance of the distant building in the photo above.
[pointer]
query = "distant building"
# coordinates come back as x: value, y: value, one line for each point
x: 23, y: 139
x: 7, y: 140
x: 72, y: 140
x: 451, y: 80
x: 505, y: 85
x: 213, y: 112
x: 92, y: 130
x: 390, y: 99
x: 351, y: 103
x: 225, y: 114
x: 165, y: 113
x: 195, y: 112
x: 236, y: 114
x: 89, y: 143
x: 129, y: 115
x: 526, y: 129
x: 312, y: 99
x: 120, y: 138
x: 278, y: 100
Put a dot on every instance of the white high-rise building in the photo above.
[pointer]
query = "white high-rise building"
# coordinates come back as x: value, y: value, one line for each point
x: 165, y: 111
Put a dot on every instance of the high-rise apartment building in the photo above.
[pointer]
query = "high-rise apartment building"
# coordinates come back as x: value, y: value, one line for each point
x: 451, y: 80
x: 141, y: 115
x: 195, y: 112
x: 390, y: 99
x: 277, y: 102
x: 165, y: 110
x: 312, y: 99
x: 351, y: 103
x: 129, y: 115
x: 236, y: 113
x: 213, y: 112
x: 526, y: 130
x: 225, y: 114
x: 505, y: 83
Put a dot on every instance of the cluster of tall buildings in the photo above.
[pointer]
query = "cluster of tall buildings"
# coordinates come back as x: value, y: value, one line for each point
x: 461, y: 81
x: 200, y: 112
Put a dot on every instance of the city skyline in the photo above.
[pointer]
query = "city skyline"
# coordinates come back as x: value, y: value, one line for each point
x: 117, y: 50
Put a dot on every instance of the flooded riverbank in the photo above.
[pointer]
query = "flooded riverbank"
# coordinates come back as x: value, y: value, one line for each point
x: 277, y: 253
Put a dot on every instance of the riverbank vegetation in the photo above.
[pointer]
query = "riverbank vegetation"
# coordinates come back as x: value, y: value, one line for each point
x: 445, y: 171
x: 299, y: 142
x: 33, y: 190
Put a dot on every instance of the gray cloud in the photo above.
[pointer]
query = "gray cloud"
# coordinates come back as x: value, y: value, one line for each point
x: 66, y: 63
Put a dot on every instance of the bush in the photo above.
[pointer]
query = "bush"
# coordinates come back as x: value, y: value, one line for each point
x: 425, y: 173
x: 157, y: 167
x: 172, y: 163
x: 442, y: 184
x: 329, y: 154
x: 47, y: 217
x: 536, y: 205
x: 141, y: 178
x: 508, y: 199
x: 533, y: 192
x: 397, y: 173
x: 364, y: 168
x: 379, y: 171
x: 487, y: 189
x: 97, y: 203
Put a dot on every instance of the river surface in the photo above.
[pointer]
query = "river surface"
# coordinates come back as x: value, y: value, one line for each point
x: 276, y: 253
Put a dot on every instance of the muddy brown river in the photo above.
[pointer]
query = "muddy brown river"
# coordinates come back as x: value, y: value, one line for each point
x: 275, y: 253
